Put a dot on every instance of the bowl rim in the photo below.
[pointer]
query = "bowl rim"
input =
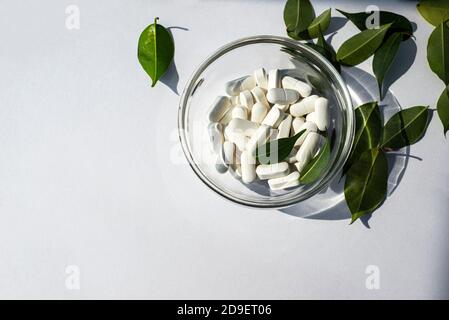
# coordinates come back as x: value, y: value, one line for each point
x: 190, y: 85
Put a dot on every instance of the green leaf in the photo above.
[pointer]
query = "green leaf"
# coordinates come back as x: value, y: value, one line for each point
x: 368, y: 132
x: 361, y: 46
x: 276, y: 151
x: 298, y: 15
x: 366, y: 183
x: 384, y: 57
x: 405, y: 127
x: 326, y: 50
x: 321, y: 22
x: 314, y: 169
x: 438, y: 52
x: 443, y: 109
x: 434, y: 11
x: 155, y: 50
x: 399, y: 23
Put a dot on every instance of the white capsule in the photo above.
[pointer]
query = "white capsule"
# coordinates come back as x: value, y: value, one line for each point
x: 259, y: 95
x: 297, y: 124
x: 227, y: 117
x: 245, y: 127
x: 292, y: 180
x: 303, y: 107
x: 219, y: 107
x: 239, y: 139
x: 228, y: 152
x: 221, y: 164
x: 284, y: 127
x: 246, y: 99
x: 322, y: 114
x: 235, y: 100
x: 248, y: 165
x: 259, y: 138
x: 240, y: 112
x: 307, y: 150
x: 292, y: 156
x: 261, y: 78
x: 272, y: 171
x: 274, y: 117
x: 309, y: 127
x: 258, y: 112
x: 234, y: 87
x: 283, y: 107
x: 282, y: 96
x: 311, y: 117
x: 273, y: 79
x: 215, y: 131
x: 291, y: 83
x: 236, y: 170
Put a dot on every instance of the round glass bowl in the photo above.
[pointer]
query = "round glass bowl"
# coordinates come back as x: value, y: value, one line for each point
x: 241, y: 58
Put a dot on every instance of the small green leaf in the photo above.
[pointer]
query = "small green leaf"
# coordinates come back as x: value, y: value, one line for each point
x: 384, y: 57
x: 314, y: 169
x: 155, y: 50
x: 399, y: 23
x: 326, y: 50
x: 276, y: 151
x: 368, y: 132
x: 443, y: 109
x: 361, y: 46
x: 366, y: 183
x: 298, y: 15
x: 434, y: 11
x: 321, y: 22
x: 438, y: 52
x: 405, y: 127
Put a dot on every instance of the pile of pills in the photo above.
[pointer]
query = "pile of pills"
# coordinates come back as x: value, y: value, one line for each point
x: 263, y: 107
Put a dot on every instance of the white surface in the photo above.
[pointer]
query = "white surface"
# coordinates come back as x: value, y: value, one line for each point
x: 84, y: 177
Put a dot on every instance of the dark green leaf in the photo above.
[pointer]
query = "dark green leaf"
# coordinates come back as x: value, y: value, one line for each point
x: 298, y: 15
x: 443, y: 109
x: 155, y: 50
x: 361, y: 46
x: 434, y: 11
x: 368, y: 132
x: 314, y: 169
x: 330, y: 52
x: 405, y: 127
x: 438, y: 52
x: 384, y: 57
x: 275, y: 151
x: 399, y: 23
x: 366, y: 183
x: 321, y: 22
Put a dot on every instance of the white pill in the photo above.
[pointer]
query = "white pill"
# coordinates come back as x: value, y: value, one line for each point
x: 292, y: 180
x: 221, y: 164
x: 215, y: 131
x: 236, y: 171
x: 297, y: 124
x: 273, y: 79
x: 261, y: 78
x: 322, y: 114
x: 303, y: 107
x: 284, y: 127
x: 228, y: 152
x: 282, y: 96
x: 311, y: 117
x: 240, y: 112
x: 274, y: 117
x: 219, y: 107
x: 292, y: 156
x: 309, y: 127
x: 239, y: 139
x: 234, y: 87
x: 291, y: 83
x: 245, y: 127
x: 235, y: 100
x: 246, y: 99
x: 272, y: 171
x: 258, y: 112
x: 259, y: 138
x: 227, y: 117
x: 307, y: 150
x: 283, y: 107
x: 248, y: 165
x: 259, y: 95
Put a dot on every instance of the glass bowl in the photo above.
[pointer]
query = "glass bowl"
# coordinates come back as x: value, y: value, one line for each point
x: 241, y: 58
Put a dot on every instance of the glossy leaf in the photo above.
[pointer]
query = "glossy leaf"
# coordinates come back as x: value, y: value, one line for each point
x: 366, y: 183
x: 315, y: 168
x: 361, y: 46
x: 331, y: 55
x: 443, y: 109
x: 155, y: 50
x: 319, y: 23
x: 276, y: 151
x: 384, y: 57
x: 298, y: 15
x: 399, y: 23
x: 368, y: 132
x: 405, y: 127
x: 438, y: 52
x: 434, y: 11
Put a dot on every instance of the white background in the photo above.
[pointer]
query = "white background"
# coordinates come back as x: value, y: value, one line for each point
x: 85, y: 181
